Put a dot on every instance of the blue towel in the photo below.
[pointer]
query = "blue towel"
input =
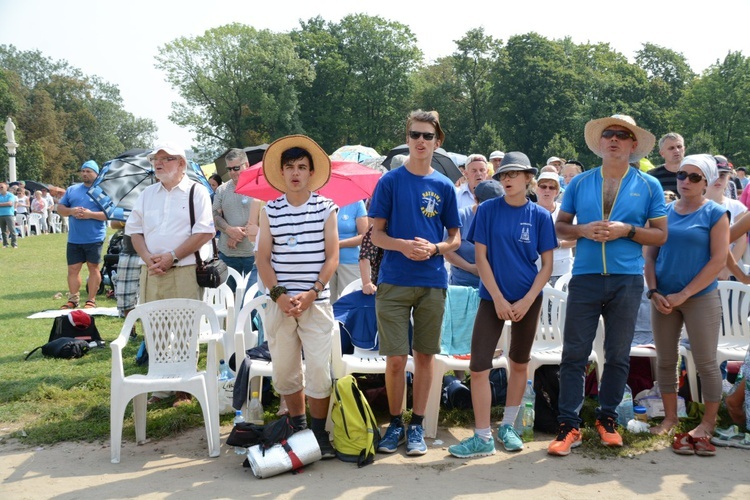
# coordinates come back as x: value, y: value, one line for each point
x: 461, y: 306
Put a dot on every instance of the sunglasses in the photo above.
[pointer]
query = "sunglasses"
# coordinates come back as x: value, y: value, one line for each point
x: 550, y: 187
x: 234, y: 169
x: 620, y: 134
x: 694, y: 178
x: 428, y: 136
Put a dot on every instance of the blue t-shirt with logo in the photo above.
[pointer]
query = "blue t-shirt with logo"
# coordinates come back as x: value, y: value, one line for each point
x: 83, y: 231
x: 639, y: 199
x: 10, y: 209
x: 412, y: 206
x: 688, y: 247
x: 514, y: 237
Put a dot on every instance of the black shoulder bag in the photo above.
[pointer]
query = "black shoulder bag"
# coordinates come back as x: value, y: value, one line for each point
x: 211, y: 273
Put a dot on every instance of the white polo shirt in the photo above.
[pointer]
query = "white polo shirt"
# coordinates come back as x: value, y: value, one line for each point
x: 163, y: 218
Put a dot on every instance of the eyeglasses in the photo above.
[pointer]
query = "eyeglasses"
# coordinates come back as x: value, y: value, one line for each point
x: 550, y: 187
x: 620, y: 134
x: 694, y: 178
x: 512, y: 174
x: 165, y: 159
x: 234, y: 169
x: 428, y: 136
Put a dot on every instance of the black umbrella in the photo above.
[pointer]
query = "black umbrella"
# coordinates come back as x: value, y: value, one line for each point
x: 440, y: 162
x: 32, y: 186
x: 121, y: 181
x: 254, y: 155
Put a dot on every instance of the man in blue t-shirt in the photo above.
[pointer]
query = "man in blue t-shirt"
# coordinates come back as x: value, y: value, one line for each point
x: 619, y: 209
x: 7, y: 215
x: 416, y: 204
x: 86, y: 234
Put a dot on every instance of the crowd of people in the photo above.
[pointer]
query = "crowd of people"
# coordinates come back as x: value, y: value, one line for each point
x: 505, y: 229
x: 17, y: 200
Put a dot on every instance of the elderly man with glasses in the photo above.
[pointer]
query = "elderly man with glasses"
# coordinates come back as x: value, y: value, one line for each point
x: 618, y: 209
x: 236, y: 217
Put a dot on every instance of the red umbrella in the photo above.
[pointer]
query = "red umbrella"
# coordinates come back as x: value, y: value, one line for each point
x: 349, y: 182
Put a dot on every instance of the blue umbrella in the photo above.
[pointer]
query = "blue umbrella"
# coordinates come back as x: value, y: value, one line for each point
x: 122, y: 179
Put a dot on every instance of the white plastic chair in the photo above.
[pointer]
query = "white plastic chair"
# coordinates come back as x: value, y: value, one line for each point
x: 562, y: 282
x: 245, y: 337
x: 352, y: 287
x: 35, y: 223
x: 22, y: 224
x: 55, y: 223
x: 735, y: 331
x: 171, y: 329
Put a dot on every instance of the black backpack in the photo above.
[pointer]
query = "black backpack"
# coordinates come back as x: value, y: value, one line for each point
x: 68, y: 342
x: 547, y: 388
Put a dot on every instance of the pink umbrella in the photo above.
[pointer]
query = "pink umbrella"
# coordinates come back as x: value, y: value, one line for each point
x: 349, y: 182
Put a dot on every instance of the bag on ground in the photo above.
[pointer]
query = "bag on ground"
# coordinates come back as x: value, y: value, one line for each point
x: 71, y: 336
x: 355, y: 431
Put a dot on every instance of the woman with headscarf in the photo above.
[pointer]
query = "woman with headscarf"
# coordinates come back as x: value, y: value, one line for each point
x: 682, y: 281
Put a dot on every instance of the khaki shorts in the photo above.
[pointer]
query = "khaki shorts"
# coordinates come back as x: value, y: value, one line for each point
x: 288, y: 336
x: 396, y: 305
x: 177, y: 283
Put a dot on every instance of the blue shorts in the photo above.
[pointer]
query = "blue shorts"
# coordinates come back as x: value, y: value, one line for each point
x: 78, y: 253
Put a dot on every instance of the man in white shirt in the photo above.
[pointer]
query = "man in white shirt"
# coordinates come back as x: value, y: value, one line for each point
x: 159, y: 227
x: 475, y: 172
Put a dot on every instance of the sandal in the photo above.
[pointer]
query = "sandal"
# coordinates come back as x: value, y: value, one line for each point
x: 683, y: 444
x: 90, y: 304
x: 703, y: 446
x: 69, y: 305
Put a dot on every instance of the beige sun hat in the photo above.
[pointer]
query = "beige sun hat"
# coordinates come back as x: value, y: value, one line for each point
x: 272, y: 162
x: 593, y: 132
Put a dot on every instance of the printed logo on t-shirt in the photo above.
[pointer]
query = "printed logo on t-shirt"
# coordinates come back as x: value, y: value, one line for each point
x: 525, y: 226
x: 430, y: 201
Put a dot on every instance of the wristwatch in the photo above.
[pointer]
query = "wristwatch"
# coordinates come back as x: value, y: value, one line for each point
x: 175, y: 260
x: 437, y: 250
x: 317, y: 291
x: 650, y: 293
x: 631, y: 234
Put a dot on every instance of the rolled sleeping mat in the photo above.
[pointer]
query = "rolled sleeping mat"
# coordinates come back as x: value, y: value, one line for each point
x: 300, y: 449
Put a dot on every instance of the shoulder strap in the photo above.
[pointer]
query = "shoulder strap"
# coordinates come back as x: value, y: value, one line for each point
x: 32, y: 352
x: 198, y: 260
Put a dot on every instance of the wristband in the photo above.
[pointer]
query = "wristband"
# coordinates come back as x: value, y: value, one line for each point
x: 276, y: 292
x: 437, y: 250
x: 322, y: 285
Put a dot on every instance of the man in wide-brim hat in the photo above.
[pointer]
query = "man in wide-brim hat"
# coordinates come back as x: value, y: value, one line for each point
x: 297, y: 254
x: 618, y: 209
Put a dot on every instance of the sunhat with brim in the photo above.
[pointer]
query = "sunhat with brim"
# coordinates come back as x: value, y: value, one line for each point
x: 272, y: 162
x: 514, y: 160
x: 168, y: 147
x: 594, y: 128
x: 549, y: 176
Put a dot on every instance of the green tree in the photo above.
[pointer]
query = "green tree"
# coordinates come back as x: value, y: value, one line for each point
x: 561, y: 147
x: 719, y: 104
x: 239, y: 84
x: 486, y: 141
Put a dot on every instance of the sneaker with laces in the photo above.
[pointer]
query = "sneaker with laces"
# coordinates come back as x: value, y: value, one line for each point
x: 509, y: 437
x: 471, y: 447
x: 568, y: 437
x: 324, y: 442
x: 393, y: 438
x: 415, y: 444
x: 607, y: 429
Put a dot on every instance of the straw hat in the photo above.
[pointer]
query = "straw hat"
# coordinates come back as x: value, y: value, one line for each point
x: 594, y: 129
x: 272, y: 162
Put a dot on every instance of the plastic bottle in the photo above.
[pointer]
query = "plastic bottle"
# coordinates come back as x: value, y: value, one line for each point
x: 238, y: 419
x: 529, y: 397
x: 528, y: 423
x: 224, y: 372
x: 255, y: 410
x: 625, y: 411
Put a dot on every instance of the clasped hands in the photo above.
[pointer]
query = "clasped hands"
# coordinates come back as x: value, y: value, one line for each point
x: 605, y: 230
x: 418, y: 249
x: 295, y: 305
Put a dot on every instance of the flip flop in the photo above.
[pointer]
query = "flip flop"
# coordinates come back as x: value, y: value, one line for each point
x: 90, y: 304
x: 69, y: 305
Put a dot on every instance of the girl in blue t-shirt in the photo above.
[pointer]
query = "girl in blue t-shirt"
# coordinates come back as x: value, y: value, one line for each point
x: 509, y: 234
x: 681, y: 277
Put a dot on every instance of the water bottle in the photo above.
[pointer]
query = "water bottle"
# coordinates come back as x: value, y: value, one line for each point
x: 224, y: 372
x: 238, y: 419
x: 529, y: 397
x: 625, y: 411
x: 255, y: 410
x: 527, y: 433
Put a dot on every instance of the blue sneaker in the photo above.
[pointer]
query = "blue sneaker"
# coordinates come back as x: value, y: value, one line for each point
x: 415, y: 444
x: 473, y: 447
x: 393, y: 438
x: 508, y: 435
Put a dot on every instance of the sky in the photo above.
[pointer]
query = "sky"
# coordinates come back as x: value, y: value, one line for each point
x: 118, y: 41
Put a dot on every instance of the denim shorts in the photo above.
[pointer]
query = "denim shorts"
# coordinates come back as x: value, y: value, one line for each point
x: 78, y: 253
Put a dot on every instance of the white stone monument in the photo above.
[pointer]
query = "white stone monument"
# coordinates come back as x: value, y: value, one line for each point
x: 11, y: 145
